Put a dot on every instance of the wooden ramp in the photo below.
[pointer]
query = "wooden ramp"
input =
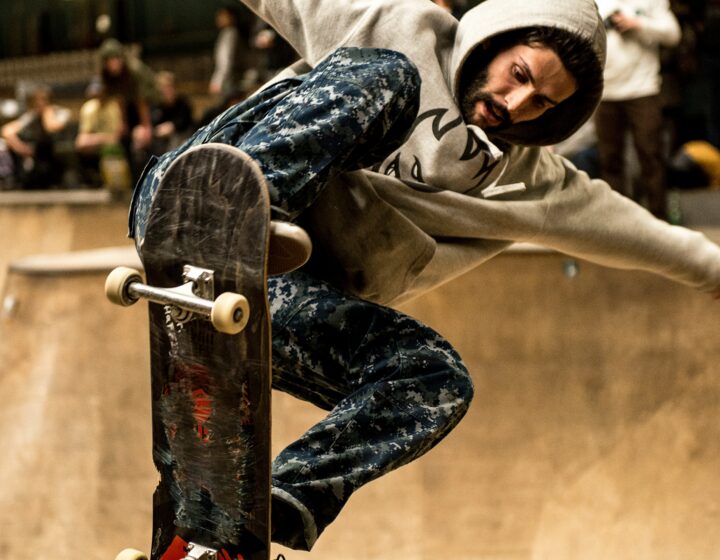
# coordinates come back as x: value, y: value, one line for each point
x: 58, y: 221
x: 593, y: 433
x: 76, y: 468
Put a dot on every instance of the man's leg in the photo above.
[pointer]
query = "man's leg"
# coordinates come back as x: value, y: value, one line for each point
x: 645, y: 118
x: 610, y: 128
x: 393, y: 386
x: 349, y: 112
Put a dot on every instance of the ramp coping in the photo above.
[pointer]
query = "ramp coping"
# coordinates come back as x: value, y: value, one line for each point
x: 77, y: 262
x: 48, y: 197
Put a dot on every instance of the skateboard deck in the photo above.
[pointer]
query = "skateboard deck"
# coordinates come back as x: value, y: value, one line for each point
x: 210, y: 389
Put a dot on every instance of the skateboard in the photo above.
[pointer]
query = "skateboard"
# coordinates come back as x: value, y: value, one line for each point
x: 205, y: 257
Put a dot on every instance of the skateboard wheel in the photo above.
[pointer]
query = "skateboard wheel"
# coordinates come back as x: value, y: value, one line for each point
x: 117, y: 284
x: 230, y: 313
x: 131, y: 554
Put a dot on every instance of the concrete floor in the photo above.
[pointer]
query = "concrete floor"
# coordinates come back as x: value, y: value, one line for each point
x: 593, y: 433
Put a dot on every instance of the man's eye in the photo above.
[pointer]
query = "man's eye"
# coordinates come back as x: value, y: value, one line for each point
x: 519, y: 75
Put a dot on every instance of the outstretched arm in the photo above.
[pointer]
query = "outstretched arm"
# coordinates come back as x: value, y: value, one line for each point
x: 586, y: 218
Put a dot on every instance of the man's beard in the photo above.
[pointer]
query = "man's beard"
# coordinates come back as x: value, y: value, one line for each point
x: 474, y: 93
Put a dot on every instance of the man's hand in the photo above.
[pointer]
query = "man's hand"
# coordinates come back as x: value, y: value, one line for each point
x: 624, y: 23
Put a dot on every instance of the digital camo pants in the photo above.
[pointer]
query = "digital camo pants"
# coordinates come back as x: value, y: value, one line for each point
x: 394, y: 387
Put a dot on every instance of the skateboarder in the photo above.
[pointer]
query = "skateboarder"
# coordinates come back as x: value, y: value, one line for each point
x: 410, y: 147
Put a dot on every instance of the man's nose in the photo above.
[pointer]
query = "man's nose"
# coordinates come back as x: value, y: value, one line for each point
x: 518, y: 100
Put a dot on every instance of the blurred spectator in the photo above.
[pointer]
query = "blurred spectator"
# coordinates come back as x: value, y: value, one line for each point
x: 31, y: 140
x: 100, y: 129
x: 631, y: 100
x: 452, y: 6
x: 130, y: 81
x: 273, y: 53
x: 7, y: 168
x: 226, y: 102
x: 226, y: 71
x: 171, y: 116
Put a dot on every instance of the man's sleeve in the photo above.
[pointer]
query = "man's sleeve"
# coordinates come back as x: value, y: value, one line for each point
x: 586, y: 218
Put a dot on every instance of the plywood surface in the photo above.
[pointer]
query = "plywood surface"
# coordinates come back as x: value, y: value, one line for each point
x: 593, y: 433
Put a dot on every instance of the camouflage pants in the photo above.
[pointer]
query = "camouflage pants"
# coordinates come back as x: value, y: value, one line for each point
x: 394, y: 388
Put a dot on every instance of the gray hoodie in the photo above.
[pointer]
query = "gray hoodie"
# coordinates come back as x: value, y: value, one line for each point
x: 451, y: 198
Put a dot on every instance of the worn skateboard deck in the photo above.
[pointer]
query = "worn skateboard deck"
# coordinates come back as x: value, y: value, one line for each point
x: 211, y: 391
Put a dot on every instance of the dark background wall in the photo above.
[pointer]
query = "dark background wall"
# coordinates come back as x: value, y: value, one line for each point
x: 35, y: 27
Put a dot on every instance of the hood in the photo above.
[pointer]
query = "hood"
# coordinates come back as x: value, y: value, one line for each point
x: 111, y: 48
x: 495, y: 17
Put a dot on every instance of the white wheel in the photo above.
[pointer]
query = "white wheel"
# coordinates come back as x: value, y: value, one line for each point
x: 131, y: 554
x: 230, y: 313
x: 290, y: 247
x: 117, y: 284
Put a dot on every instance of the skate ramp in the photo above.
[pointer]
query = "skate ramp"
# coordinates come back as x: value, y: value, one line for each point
x: 594, y: 429
x: 593, y: 433
x: 33, y: 222
x: 76, y: 468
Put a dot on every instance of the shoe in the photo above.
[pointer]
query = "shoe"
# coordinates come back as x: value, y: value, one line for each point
x: 290, y: 247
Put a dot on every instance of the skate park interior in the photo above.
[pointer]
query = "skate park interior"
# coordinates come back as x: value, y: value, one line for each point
x: 592, y: 433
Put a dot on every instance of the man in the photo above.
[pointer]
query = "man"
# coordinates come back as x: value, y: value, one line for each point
x: 410, y: 151
x: 631, y: 100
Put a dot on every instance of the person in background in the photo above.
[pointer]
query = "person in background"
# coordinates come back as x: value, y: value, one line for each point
x: 272, y: 52
x: 636, y: 29
x: 31, y: 141
x: 171, y: 116
x: 126, y: 78
x: 100, y: 127
x: 452, y: 6
x: 224, y: 78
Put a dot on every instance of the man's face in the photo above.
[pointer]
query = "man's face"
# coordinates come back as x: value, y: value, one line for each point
x: 518, y: 85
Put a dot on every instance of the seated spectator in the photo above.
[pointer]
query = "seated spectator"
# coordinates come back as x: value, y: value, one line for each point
x: 171, y: 116
x: 100, y: 129
x: 31, y: 141
x: 226, y: 102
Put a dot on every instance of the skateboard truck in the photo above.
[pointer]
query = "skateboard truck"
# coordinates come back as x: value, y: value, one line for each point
x: 191, y: 551
x: 199, y: 552
x: 229, y: 312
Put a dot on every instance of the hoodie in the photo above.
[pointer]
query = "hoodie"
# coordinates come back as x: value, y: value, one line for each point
x: 451, y: 197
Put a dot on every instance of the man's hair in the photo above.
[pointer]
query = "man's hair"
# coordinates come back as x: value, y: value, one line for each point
x: 575, y: 52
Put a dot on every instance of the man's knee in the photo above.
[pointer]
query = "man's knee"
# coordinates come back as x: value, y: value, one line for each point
x: 385, y: 68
